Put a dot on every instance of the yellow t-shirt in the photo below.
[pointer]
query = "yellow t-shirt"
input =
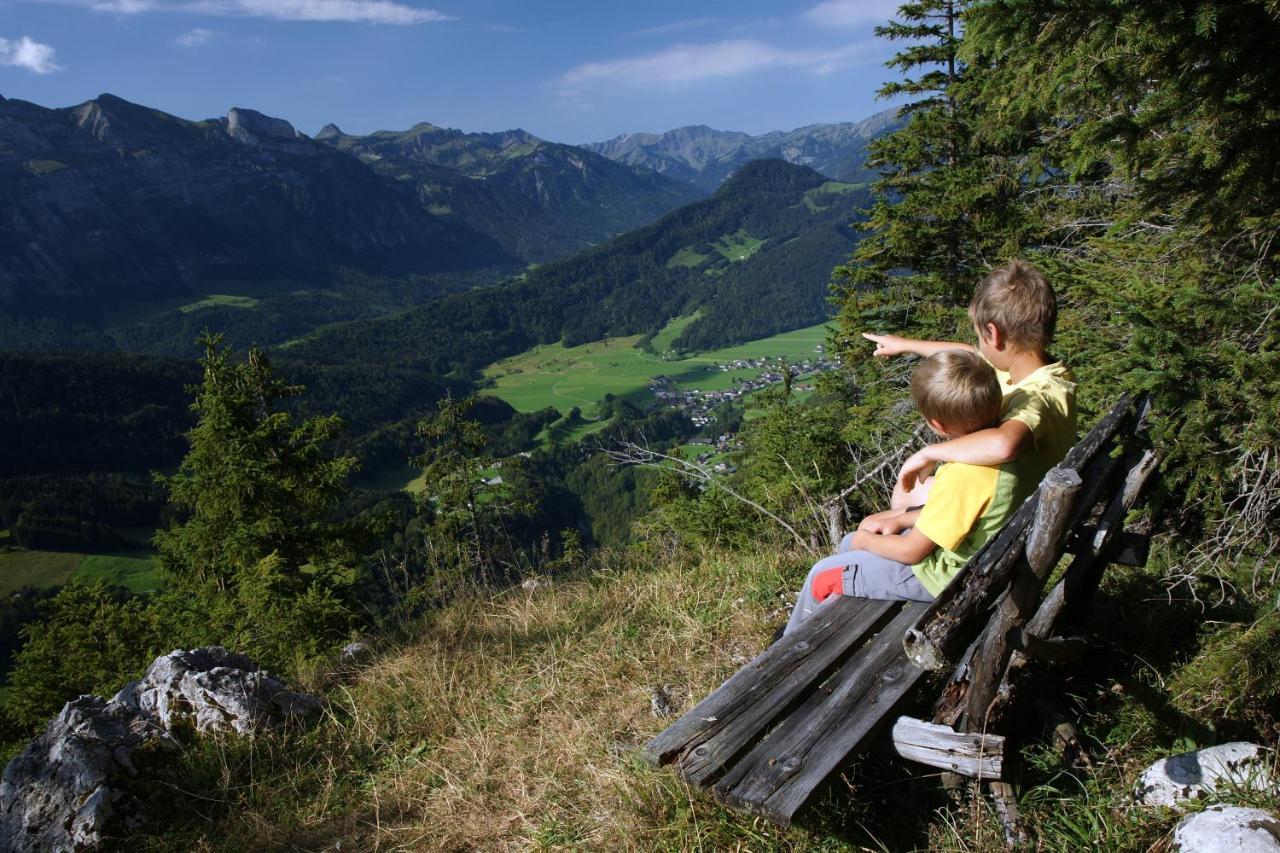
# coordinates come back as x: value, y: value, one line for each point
x: 1045, y: 401
x: 968, y: 504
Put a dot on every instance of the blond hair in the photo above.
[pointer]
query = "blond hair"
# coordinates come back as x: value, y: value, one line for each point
x: 1019, y: 301
x: 959, y: 389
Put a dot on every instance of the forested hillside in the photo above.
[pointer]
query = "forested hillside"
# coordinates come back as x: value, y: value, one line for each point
x: 756, y: 257
x: 113, y: 204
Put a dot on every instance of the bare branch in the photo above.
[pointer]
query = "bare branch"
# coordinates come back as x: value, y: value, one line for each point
x: 631, y: 453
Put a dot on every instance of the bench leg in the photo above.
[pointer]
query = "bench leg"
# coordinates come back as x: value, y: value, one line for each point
x: 1006, y: 804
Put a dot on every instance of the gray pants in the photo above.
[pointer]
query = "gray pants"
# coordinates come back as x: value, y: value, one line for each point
x: 865, y: 575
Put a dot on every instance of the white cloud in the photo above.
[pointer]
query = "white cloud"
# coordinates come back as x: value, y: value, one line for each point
x: 196, y: 37
x: 31, y: 55
x: 684, y: 65
x: 125, y: 7
x: 851, y: 13
x: 351, y: 11
x: 675, y: 27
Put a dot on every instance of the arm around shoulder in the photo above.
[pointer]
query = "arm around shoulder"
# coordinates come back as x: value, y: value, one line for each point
x: 993, y: 446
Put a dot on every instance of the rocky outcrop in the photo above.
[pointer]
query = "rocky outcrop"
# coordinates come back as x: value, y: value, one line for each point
x: 1198, y: 775
x: 65, y: 790
x: 213, y: 690
x: 251, y: 126
x: 1228, y: 829
x: 68, y: 789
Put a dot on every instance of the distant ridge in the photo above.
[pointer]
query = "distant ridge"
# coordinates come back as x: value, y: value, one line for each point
x: 537, y: 199
x: 706, y: 157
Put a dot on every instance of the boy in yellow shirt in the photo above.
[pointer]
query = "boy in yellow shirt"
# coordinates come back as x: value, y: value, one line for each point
x: 1014, y: 312
x: 913, y: 554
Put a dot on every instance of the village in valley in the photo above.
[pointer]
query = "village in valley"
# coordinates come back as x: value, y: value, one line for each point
x: 701, y: 405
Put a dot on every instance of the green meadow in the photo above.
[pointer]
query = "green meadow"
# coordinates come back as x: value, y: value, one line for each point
x: 814, y: 200
x: 564, y: 377
x: 581, y: 376
x: 138, y: 571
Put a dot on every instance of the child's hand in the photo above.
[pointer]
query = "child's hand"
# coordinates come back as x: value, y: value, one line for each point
x: 916, y: 469
x: 889, y: 345
x: 828, y: 583
x: 881, y: 523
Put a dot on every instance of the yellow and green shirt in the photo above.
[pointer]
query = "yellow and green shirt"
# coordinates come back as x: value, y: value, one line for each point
x: 1045, y: 400
x: 968, y: 504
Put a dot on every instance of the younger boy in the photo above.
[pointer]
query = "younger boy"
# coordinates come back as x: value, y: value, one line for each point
x: 913, y: 554
x: 1014, y: 312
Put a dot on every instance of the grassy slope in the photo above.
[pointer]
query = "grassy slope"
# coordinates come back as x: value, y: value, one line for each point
x: 511, y: 722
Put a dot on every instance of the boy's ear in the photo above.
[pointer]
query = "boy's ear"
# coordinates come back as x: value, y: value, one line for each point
x: 937, y: 426
x: 994, y: 336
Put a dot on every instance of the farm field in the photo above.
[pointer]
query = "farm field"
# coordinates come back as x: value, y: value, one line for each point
x: 564, y: 377
x: 138, y: 571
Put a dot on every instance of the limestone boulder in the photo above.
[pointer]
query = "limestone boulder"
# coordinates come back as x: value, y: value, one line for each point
x: 213, y: 690
x: 1198, y: 775
x: 1228, y: 829
x: 66, y: 790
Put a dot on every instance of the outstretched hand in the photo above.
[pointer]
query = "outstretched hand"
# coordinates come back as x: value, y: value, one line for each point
x: 915, y: 470
x: 888, y: 345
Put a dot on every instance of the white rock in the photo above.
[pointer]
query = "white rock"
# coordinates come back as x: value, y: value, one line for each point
x: 64, y: 791
x: 1228, y: 829
x: 1197, y: 775
x: 213, y: 690
x: 354, y: 651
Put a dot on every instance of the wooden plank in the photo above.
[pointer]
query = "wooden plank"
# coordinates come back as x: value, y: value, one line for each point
x: 776, y: 777
x: 789, y: 664
x: 980, y: 756
x: 1131, y: 549
x: 1082, y: 576
x: 745, y: 714
x: 1044, y: 544
x: 947, y: 625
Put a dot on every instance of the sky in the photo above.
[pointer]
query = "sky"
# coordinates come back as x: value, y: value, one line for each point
x: 568, y: 72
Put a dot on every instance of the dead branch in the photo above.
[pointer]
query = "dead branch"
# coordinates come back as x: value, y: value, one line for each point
x: 631, y: 453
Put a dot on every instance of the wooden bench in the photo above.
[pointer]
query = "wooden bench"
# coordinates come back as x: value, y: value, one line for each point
x: 770, y: 735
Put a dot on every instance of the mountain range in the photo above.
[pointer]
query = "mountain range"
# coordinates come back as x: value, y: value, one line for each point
x: 705, y: 157
x: 537, y: 199
x: 131, y: 228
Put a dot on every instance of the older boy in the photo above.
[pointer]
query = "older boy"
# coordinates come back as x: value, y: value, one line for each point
x: 914, y: 554
x: 1014, y: 312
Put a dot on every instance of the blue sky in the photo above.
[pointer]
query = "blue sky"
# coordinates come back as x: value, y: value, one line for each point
x: 570, y: 72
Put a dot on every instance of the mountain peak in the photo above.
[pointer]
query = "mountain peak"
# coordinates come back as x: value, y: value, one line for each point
x: 251, y: 126
x: 773, y: 173
x: 330, y: 131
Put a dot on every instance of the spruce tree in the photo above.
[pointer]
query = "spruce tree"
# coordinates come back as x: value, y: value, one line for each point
x: 256, y: 560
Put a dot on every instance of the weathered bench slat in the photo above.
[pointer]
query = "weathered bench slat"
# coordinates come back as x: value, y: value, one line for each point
x: 743, y: 726
x: 777, y: 776
x: 979, y: 756
x: 767, y: 685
